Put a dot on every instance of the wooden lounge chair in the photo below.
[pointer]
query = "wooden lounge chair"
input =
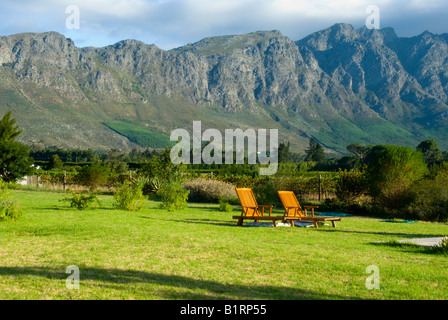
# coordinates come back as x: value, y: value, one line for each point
x: 293, y: 210
x: 253, y: 211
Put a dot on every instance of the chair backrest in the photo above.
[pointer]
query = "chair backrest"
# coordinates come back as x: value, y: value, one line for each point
x: 248, y: 202
x: 289, y: 201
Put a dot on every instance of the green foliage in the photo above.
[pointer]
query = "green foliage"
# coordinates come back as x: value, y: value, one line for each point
x: 161, y: 166
x: 350, y: 185
x: 315, y: 152
x: 55, y: 163
x: 173, y: 195
x: 94, y: 175
x: 129, y: 196
x: 15, y: 161
x: 443, y: 247
x: 225, y: 206
x: 143, y: 137
x: 8, y: 130
x: 359, y: 150
x: 82, y: 200
x: 430, y: 198
x: 431, y: 151
x: 116, y: 165
x: 9, y: 210
x: 391, y: 173
x: 265, y: 191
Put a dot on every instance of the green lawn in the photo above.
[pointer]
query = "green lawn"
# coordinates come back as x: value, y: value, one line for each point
x: 200, y: 253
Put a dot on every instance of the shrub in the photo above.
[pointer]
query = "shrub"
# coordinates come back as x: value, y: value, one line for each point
x: 265, y: 191
x: 431, y: 198
x: 208, y: 190
x: 350, y: 185
x: 224, y: 206
x: 129, y: 196
x: 82, y: 200
x: 94, y: 175
x: 9, y: 210
x: 391, y: 173
x: 173, y: 195
x: 443, y: 247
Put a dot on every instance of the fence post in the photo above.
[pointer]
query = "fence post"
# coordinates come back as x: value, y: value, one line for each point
x: 320, y: 186
x: 65, y: 179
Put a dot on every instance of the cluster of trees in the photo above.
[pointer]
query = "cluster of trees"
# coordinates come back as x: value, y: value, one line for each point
x: 406, y: 181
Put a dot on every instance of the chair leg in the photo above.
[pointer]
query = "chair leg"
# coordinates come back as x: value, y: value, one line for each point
x: 315, y: 224
x: 275, y: 223
x: 240, y: 222
x: 333, y: 223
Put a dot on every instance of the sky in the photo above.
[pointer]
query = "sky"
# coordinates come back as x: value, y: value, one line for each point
x: 174, y: 23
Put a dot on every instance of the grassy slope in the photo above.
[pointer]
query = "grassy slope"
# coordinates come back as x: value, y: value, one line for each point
x: 49, y: 117
x: 143, y: 137
x: 200, y: 253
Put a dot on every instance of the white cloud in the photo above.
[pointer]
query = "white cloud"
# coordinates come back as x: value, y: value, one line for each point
x: 170, y: 23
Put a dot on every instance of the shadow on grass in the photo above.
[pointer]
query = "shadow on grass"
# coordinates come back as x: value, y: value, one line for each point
x: 395, y: 234
x: 68, y: 208
x: 167, y: 285
x: 410, y: 247
x: 210, y: 222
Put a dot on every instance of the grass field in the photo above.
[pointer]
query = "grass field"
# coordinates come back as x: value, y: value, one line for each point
x: 200, y: 253
x: 143, y: 137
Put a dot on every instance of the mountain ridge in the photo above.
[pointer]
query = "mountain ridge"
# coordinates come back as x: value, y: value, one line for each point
x: 338, y: 85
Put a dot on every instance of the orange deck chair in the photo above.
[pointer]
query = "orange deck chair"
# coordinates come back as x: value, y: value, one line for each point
x: 293, y: 210
x: 251, y: 210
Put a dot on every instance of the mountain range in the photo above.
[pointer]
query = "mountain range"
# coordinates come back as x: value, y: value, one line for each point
x: 339, y: 86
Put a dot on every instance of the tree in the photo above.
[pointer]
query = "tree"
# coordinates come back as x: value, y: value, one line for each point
x: 358, y: 149
x: 93, y: 175
x: 283, y: 152
x: 15, y: 160
x: 315, y: 152
x: 391, y: 173
x: 431, y: 151
x: 8, y: 130
x: 55, y: 163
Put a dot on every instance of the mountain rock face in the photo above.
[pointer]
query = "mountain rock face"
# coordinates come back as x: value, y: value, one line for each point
x: 339, y: 85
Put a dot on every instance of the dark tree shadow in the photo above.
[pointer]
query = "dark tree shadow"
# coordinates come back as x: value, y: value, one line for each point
x: 121, y: 279
x: 395, y: 234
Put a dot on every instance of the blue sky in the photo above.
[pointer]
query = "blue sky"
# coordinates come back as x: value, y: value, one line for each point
x: 173, y: 23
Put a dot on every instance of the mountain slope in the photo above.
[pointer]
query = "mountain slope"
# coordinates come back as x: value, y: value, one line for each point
x: 338, y: 85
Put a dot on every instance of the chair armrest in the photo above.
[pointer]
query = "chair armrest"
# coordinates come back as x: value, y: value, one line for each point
x: 265, y: 206
x: 312, y: 210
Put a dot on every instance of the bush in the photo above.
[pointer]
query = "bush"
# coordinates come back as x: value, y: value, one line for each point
x: 9, y: 210
x: 224, y: 206
x: 94, y: 175
x: 208, y: 190
x: 431, y: 198
x: 82, y: 200
x: 129, y: 196
x: 350, y: 185
x: 173, y: 195
x: 443, y: 247
x: 265, y: 191
x: 391, y: 173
